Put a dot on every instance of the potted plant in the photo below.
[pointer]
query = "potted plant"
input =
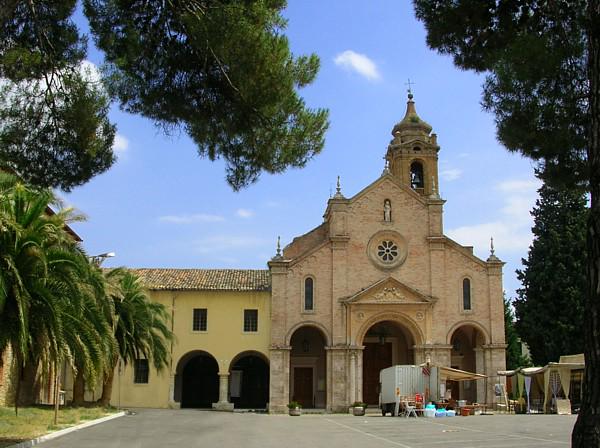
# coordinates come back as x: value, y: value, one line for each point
x: 294, y: 408
x: 359, y: 408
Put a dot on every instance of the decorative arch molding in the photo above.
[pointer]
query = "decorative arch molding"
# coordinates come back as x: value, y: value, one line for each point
x: 308, y: 323
x: 400, y: 318
x: 468, y: 323
x: 245, y: 353
x: 183, y: 360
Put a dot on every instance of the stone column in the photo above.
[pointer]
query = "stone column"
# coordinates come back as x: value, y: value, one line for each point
x: 359, y: 373
x: 480, y: 368
x: 352, y: 377
x: 223, y: 404
x: 172, y: 403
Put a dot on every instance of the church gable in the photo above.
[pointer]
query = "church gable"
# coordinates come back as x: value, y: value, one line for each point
x: 388, y: 291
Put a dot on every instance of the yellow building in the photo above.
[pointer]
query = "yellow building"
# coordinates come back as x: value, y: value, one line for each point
x: 221, y: 319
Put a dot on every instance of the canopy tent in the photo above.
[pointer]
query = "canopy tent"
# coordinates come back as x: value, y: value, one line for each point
x: 555, y: 375
x: 459, y: 375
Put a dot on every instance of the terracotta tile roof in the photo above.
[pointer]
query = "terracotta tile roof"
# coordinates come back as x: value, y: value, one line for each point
x: 205, y: 279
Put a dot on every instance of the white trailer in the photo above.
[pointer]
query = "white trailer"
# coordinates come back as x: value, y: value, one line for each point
x: 406, y: 381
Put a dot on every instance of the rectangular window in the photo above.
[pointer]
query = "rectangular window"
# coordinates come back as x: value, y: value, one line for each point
x: 199, y: 320
x: 140, y: 371
x: 250, y: 320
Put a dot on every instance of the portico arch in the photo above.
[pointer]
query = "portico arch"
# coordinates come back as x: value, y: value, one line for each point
x: 388, y: 339
x: 249, y: 380
x: 469, y: 323
x: 197, y: 380
x: 467, y: 340
x: 399, y: 318
x: 308, y: 366
x: 308, y: 323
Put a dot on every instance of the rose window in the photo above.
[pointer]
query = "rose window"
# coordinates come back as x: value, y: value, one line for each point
x: 387, y: 250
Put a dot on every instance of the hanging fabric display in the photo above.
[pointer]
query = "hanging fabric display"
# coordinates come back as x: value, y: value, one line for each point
x: 527, y: 389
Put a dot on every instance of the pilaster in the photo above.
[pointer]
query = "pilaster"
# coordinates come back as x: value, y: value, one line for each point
x: 337, y: 378
x: 279, y: 381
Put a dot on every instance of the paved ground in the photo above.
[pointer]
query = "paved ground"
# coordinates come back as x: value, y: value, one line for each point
x: 190, y: 428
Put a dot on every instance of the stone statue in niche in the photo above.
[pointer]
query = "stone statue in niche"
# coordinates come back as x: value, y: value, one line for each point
x: 387, y: 211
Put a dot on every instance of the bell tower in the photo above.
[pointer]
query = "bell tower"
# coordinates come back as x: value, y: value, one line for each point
x: 412, y: 154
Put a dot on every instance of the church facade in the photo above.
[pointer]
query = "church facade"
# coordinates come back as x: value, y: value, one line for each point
x: 376, y: 284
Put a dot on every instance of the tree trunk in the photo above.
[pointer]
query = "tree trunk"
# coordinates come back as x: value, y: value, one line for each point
x: 586, y: 433
x: 107, y: 386
x: 79, y: 389
x: 18, y: 387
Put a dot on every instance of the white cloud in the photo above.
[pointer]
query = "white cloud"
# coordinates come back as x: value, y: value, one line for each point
x: 451, y: 174
x: 244, y: 213
x: 519, y: 186
x: 191, y: 219
x: 512, y: 228
x: 120, y: 144
x: 358, y: 63
x: 507, y: 236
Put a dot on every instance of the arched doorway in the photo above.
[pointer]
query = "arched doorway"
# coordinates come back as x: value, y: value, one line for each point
x: 386, y: 344
x: 466, y: 343
x: 197, y: 380
x: 308, y: 368
x: 249, y: 381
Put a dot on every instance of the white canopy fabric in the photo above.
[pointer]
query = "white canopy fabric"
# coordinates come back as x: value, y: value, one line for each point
x: 459, y: 375
x: 563, y: 369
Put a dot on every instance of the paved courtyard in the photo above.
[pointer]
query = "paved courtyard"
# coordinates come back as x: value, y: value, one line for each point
x: 191, y: 428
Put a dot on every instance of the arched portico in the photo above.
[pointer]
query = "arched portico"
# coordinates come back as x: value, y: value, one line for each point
x: 468, y: 341
x: 197, y: 380
x: 386, y: 343
x: 308, y: 367
x: 249, y: 380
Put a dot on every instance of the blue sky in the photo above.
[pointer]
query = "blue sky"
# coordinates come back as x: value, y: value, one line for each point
x: 161, y: 205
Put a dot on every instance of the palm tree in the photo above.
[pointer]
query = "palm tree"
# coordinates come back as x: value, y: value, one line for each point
x: 139, y: 327
x: 45, y: 296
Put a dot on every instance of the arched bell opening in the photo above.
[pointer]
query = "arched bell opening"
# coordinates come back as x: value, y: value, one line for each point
x: 417, y: 177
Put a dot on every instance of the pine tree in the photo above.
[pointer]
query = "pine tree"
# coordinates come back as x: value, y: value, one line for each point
x: 549, y: 307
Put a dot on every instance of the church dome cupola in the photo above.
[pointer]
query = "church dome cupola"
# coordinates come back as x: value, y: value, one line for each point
x: 412, y: 154
x: 411, y: 125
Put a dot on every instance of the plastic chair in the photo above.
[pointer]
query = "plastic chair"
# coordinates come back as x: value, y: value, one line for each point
x: 409, y: 409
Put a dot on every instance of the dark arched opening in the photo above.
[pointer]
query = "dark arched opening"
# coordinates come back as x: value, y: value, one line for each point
x: 308, y: 368
x: 466, y: 341
x: 249, y: 382
x: 199, y: 381
x: 386, y: 344
x: 417, y: 177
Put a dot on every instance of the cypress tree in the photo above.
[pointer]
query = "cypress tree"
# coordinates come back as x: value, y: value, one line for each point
x: 549, y: 306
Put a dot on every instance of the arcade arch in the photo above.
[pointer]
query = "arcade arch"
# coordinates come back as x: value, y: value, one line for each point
x: 249, y: 380
x: 197, y: 380
x: 308, y: 367
x: 386, y: 343
x: 467, y: 342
